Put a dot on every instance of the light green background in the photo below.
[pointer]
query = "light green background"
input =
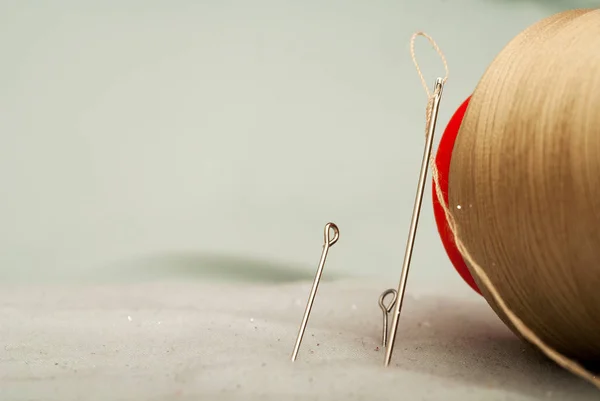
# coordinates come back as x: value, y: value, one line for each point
x: 214, y: 139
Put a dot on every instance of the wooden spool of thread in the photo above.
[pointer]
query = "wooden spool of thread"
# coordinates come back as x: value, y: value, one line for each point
x: 519, y: 165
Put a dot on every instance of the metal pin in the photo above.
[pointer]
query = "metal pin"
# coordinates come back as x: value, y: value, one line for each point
x: 386, y: 310
x: 329, y: 241
x: 437, y: 95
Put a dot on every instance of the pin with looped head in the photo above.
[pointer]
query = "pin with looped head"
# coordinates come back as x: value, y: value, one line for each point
x: 329, y: 240
x: 386, y: 311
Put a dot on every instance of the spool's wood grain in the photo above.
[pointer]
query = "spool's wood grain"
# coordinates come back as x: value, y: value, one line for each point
x: 525, y: 172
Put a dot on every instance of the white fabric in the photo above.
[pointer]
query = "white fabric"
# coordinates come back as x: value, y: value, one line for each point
x: 170, y: 341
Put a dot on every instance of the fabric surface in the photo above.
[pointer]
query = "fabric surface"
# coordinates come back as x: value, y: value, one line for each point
x: 190, y: 341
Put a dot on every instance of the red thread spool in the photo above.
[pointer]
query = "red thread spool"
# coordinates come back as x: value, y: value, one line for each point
x: 442, y: 162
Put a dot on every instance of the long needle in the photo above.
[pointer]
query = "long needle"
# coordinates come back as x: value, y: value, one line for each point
x: 329, y: 241
x: 437, y: 95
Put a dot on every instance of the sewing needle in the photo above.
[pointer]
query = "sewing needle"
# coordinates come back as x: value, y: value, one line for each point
x: 437, y: 95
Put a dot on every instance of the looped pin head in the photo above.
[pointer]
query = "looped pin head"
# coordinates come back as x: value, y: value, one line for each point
x: 331, y: 227
x: 386, y: 310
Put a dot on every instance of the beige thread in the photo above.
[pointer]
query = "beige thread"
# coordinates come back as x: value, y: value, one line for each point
x: 422, y: 78
x: 414, y: 58
x: 567, y: 363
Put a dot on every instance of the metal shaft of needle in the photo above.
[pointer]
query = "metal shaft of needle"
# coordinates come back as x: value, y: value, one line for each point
x: 329, y: 241
x: 439, y: 86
